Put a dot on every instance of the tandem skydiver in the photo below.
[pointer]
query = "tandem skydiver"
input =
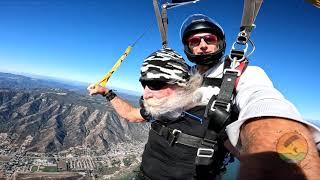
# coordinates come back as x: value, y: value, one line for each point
x: 187, y: 136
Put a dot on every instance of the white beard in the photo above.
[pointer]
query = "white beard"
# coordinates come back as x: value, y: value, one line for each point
x: 172, y: 106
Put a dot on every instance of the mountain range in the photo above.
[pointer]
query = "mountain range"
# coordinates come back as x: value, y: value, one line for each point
x: 59, y: 116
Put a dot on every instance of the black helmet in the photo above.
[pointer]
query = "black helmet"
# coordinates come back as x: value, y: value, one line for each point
x: 201, y: 23
x: 165, y: 65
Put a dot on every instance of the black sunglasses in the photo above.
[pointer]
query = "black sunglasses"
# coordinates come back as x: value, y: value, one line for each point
x: 154, y: 85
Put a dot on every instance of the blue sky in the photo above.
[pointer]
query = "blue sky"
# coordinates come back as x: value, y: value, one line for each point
x: 80, y: 40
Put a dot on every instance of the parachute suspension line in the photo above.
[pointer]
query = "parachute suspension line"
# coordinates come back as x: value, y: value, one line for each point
x: 135, y: 42
x: 103, y: 81
x: 240, y: 46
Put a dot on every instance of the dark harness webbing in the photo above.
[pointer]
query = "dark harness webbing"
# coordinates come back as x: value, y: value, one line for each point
x: 211, y: 151
x: 211, y: 82
x: 218, y: 113
x: 175, y: 136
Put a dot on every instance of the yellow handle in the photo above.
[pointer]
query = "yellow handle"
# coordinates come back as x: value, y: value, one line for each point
x: 104, y: 80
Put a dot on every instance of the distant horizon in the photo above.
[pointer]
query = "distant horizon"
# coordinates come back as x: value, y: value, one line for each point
x: 40, y: 75
x: 64, y: 80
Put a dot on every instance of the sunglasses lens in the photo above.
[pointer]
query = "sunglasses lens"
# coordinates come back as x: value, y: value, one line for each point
x: 210, y: 39
x: 153, y: 85
x: 196, y: 40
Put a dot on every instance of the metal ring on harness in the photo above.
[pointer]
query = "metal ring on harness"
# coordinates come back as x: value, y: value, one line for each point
x: 205, y: 152
x: 175, y: 133
x: 235, y: 53
x: 226, y: 106
x: 242, y: 37
x: 232, y: 70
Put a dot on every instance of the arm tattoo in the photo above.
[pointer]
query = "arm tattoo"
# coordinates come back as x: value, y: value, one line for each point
x: 279, y: 141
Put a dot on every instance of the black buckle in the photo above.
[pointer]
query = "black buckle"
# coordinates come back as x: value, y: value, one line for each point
x: 173, y: 136
x: 219, y: 118
x: 206, y: 152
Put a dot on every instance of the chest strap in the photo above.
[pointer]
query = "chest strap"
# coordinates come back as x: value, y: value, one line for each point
x: 175, y: 136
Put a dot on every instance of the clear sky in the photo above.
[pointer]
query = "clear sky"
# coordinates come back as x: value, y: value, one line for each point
x: 81, y: 40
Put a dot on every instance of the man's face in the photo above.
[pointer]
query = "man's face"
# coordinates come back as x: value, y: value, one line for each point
x: 203, y: 43
x: 157, y: 91
x: 170, y: 100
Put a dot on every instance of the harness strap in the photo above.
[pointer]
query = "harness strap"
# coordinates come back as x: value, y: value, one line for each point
x: 219, y: 107
x: 218, y: 114
x: 175, y: 136
x: 241, y: 68
x: 211, y: 82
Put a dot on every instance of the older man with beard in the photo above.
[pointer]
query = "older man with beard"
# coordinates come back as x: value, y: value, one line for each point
x: 168, y: 89
x: 172, y: 103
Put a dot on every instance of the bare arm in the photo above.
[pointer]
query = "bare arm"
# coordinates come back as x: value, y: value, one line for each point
x: 269, y: 146
x: 126, y: 110
x: 123, y: 108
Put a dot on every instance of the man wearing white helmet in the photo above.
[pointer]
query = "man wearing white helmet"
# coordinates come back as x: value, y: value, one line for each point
x: 265, y: 116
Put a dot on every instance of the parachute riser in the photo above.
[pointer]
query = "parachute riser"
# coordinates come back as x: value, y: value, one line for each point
x: 239, y: 48
x: 162, y: 19
x: 160, y: 22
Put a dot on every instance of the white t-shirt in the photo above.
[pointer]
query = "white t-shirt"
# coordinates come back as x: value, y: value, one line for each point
x: 256, y: 97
